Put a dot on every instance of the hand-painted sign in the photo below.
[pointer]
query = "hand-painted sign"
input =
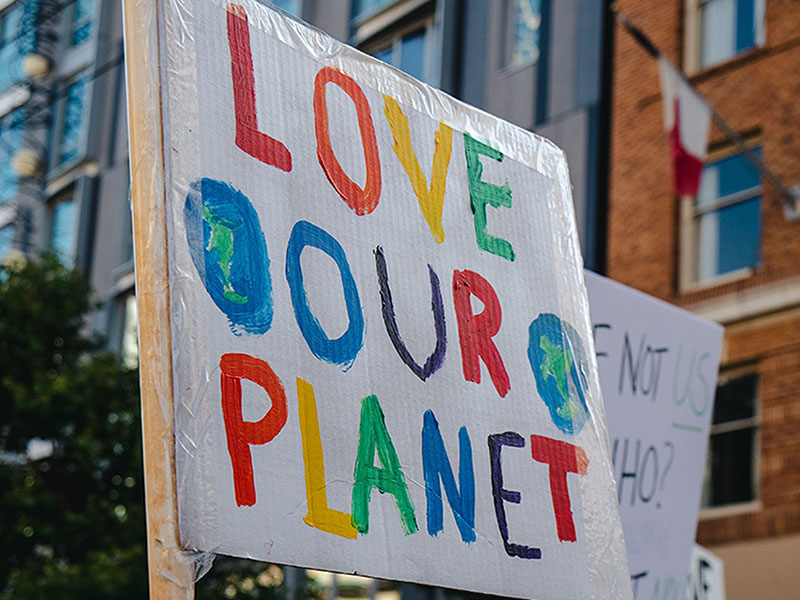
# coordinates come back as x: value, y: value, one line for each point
x: 658, y: 371
x: 375, y: 288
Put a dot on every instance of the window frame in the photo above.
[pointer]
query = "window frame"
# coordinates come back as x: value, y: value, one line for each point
x: 80, y: 143
x: 76, y: 61
x: 693, y: 37
x: 392, y: 39
x: 690, y: 213
x: 68, y: 194
x: 755, y: 423
x: 368, y: 13
x: 507, y: 64
x: 13, y: 125
x: 10, y: 48
x: 58, y: 166
x: 6, y: 37
x: 73, y: 24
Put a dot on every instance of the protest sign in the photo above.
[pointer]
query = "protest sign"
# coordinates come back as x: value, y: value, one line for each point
x: 706, y: 576
x: 658, y: 371
x: 372, y: 288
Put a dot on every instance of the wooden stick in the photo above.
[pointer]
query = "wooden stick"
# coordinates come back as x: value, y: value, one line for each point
x: 171, y: 572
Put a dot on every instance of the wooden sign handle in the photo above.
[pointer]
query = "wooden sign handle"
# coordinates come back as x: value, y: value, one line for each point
x: 171, y: 571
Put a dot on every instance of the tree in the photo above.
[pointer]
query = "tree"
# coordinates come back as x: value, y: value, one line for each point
x: 71, y: 485
x: 70, y: 446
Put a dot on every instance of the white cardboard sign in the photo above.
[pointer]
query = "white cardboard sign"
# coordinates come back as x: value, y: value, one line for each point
x: 658, y: 371
x: 382, y: 351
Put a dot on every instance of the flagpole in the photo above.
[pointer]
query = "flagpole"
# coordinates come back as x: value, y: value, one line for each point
x: 791, y: 197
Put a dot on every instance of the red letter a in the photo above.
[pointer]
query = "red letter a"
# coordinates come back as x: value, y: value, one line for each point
x: 240, y: 433
x: 257, y: 144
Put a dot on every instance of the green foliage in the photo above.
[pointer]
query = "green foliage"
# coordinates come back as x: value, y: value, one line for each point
x: 72, y: 514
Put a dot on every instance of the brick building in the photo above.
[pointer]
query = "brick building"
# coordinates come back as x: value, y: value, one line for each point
x: 731, y: 255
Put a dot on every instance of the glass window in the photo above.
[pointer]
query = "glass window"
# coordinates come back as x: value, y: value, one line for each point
x: 727, y: 217
x: 12, y: 127
x: 74, y: 121
x: 290, y: 6
x: 729, y: 27
x: 410, y: 52
x: 11, y: 48
x: 62, y: 231
x: 82, y: 21
x: 6, y: 240
x: 385, y: 55
x: 28, y: 27
x: 10, y: 24
x: 523, y: 20
x: 361, y: 7
x: 732, y: 453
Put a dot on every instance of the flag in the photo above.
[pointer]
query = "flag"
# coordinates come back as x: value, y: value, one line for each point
x: 687, y: 118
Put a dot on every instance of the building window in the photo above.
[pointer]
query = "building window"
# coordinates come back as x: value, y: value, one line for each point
x: 727, y: 218
x: 731, y: 469
x: 365, y: 7
x: 6, y: 240
x: 12, y: 127
x: 411, y: 50
x: 10, y: 21
x: 10, y: 26
x: 82, y: 21
x: 728, y: 27
x: 73, y: 122
x: 294, y: 7
x: 523, y: 20
x: 62, y: 228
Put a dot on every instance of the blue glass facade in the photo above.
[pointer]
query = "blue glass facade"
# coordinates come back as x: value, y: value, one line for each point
x: 62, y: 233
x: 364, y: 7
x: 74, y: 124
x: 12, y: 128
x: 523, y: 31
x: 17, y: 38
x: 83, y: 21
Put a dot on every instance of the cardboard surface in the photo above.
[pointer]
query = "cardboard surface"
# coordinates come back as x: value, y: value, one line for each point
x: 382, y: 352
x: 658, y: 371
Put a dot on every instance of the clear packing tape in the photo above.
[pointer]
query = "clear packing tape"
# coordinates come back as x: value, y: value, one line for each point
x: 170, y: 65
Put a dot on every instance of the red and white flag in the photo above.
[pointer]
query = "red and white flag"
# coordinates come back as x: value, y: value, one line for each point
x: 687, y: 118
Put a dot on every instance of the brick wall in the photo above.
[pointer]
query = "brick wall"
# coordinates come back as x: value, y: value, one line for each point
x: 758, y: 91
x: 772, y: 345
